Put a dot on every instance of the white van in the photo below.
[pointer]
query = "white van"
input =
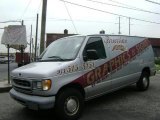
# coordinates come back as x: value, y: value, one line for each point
x: 78, y: 68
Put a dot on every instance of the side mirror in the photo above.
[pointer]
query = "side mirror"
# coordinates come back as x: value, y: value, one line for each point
x: 91, y: 55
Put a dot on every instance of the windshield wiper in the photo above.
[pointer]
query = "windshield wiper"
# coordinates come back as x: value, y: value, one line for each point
x: 54, y: 58
x: 57, y: 57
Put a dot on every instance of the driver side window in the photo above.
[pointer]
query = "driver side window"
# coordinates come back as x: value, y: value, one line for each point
x: 94, y: 49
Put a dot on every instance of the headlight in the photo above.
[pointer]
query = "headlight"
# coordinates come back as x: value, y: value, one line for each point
x: 46, y: 84
x: 42, y: 85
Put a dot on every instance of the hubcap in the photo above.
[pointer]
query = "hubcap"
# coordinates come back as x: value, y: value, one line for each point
x: 145, y: 82
x: 71, y: 105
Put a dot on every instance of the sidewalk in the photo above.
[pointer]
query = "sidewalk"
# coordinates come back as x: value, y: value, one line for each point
x: 5, y: 87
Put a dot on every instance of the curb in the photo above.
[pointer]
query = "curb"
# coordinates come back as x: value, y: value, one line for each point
x: 5, y: 87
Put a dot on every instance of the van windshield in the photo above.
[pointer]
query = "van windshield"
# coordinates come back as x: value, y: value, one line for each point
x: 64, y: 49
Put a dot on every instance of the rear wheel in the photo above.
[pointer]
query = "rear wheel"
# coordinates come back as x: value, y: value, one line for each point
x: 69, y: 104
x: 143, y: 82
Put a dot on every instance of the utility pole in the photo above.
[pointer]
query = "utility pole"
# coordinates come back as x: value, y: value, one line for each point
x: 32, y: 49
x: 31, y: 45
x: 38, y: 49
x: 119, y: 26
x: 43, y: 25
x: 36, y: 39
x: 22, y: 22
x: 22, y: 55
x: 8, y: 65
x: 129, y: 26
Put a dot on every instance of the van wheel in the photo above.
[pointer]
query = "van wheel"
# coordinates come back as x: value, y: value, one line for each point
x: 69, y: 104
x: 143, y: 82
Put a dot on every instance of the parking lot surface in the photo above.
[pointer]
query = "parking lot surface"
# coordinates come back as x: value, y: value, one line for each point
x: 124, y: 104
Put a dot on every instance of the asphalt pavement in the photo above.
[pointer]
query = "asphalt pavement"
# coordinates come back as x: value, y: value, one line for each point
x: 124, y: 104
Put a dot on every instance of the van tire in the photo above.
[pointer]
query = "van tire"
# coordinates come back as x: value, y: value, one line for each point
x: 69, y: 104
x: 144, y: 82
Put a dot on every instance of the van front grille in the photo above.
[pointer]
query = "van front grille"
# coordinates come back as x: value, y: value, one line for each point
x: 21, y: 85
x: 22, y: 82
x: 23, y: 90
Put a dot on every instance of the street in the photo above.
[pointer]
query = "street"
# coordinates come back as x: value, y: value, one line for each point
x: 125, y: 104
x: 4, y: 70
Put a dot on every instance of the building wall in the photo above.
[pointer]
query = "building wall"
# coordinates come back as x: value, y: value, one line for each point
x: 52, y: 37
x: 155, y: 45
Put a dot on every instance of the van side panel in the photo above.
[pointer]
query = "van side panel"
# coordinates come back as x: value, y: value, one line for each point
x: 127, y: 56
x: 130, y: 67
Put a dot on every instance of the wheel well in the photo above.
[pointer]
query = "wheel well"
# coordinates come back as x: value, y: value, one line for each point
x: 147, y: 70
x: 75, y: 86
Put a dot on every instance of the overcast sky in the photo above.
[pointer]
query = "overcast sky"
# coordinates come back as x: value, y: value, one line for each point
x: 85, y: 20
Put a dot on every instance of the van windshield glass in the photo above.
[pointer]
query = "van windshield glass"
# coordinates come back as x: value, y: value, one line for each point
x: 64, y: 49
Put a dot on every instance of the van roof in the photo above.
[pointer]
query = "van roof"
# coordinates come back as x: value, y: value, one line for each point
x: 106, y: 35
x: 98, y: 35
x: 114, y: 35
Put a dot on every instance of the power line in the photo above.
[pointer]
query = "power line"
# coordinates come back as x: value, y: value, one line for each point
x: 70, y: 17
x: 25, y: 9
x: 39, y: 6
x: 63, y: 19
x: 153, y: 2
x: 121, y: 3
x: 109, y: 12
x: 78, y: 20
x: 11, y: 21
x: 131, y: 8
x: 32, y: 19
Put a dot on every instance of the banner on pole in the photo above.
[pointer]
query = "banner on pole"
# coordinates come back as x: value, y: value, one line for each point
x: 15, y: 36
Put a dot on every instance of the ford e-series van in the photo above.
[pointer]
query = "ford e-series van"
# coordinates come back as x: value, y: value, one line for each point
x: 78, y: 68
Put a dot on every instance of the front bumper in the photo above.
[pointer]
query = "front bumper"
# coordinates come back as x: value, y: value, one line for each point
x: 33, y: 102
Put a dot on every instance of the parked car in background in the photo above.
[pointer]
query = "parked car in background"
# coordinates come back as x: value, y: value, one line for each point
x: 12, y: 59
x: 3, y: 59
